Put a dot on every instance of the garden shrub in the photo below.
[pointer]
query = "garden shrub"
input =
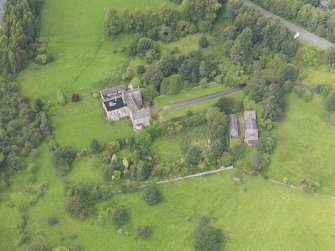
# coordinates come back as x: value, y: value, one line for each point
x: 208, y: 238
x: 203, y: 42
x: 95, y: 146
x: 143, y: 232
x: 75, y: 97
x: 36, y: 246
x: 151, y: 195
x: 119, y: 216
x: 52, y: 220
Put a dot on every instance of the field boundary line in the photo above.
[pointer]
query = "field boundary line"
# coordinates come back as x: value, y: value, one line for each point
x: 297, y: 188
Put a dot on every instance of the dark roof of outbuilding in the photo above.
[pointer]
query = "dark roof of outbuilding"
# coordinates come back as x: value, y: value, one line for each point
x: 114, y: 104
x: 233, y: 123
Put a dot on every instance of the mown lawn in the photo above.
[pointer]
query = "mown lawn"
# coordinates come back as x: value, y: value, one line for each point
x: 188, y: 94
x: 83, y: 57
x: 305, y: 144
x: 255, y: 215
x: 197, y: 107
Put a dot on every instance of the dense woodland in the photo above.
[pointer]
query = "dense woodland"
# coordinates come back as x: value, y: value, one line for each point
x: 306, y: 13
x: 22, y: 128
x: 18, y: 37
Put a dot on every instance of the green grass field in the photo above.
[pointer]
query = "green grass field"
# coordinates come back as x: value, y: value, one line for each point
x: 74, y: 32
x: 305, y: 144
x: 255, y: 215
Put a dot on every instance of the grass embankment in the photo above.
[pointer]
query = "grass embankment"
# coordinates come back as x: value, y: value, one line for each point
x: 305, y: 144
x: 84, y: 56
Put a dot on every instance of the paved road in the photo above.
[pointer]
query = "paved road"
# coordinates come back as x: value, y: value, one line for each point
x: 1, y: 8
x: 302, y: 86
x: 305, y: 35
x: 324, y: 2
x: 202, y: 98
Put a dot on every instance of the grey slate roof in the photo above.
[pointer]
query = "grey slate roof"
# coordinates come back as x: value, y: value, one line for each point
x: 233, y: 125
x: 107, y: 93
x: 251, y: 132
x: 250, y: 120
x: 143, y: 113
x: 133, y: 99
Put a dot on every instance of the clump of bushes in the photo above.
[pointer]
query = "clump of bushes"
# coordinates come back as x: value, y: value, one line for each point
x: 61, y: 97
x: 43, y: 56
x: 62, y: 159
x: 143, y: 232
x: 309, y: 186
x: 119, y: 216
x: 21, y: 224
x: 36, y: 246
x: 151, y: 195
x: 207, y: 237
x: 24, y: 238
x: 95, y: 146
x: 81, y: 198
x: 52, y: 220
x: 203, y: 42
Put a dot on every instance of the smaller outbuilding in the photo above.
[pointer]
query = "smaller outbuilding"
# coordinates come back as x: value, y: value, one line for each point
x: 233, y: 132
x: 251, y: 131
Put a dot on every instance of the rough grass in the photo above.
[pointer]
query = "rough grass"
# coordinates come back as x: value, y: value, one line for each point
x: 305, y: 144
x: 312, y: 66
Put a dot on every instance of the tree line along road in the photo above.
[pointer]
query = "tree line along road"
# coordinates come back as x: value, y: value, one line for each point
x: 304, y: 35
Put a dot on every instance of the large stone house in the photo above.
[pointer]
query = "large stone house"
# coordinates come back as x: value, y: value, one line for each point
x: 233, y: 126
x: 119, y: 102
x: 251, y: 131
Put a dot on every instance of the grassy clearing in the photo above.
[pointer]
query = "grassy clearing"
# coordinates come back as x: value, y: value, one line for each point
x: 305, y: 144
x: 188, y: 94
x: 182, y: 46
x: 172, y: 148
x: 312, y: 66
x: 167, y: 149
